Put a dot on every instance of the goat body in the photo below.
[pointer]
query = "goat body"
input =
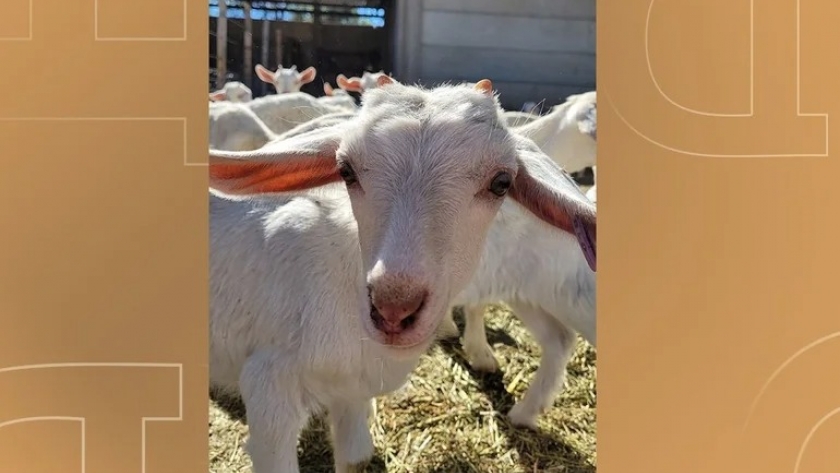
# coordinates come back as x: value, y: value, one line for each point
x: 324, y: 296
x: 234, y: 127
x: 566, y: 134
x: 282, y: 112
x: 545, y: 279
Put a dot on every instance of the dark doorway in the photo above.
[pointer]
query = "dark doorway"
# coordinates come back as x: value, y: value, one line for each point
x: 336, y: 36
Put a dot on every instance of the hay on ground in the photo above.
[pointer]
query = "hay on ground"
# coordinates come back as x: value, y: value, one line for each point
x: 450, y: 419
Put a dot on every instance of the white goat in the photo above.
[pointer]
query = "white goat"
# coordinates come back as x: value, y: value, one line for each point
x: 338, y: 98
x: 234, y: 127
x: 548, y: 284
x: 326, y: 297
x: 282, y: 112
x: 329, y: 91
x: 232, y: 92
x: 369, y: 80
x: 286, y: 80
x: 566, y: 133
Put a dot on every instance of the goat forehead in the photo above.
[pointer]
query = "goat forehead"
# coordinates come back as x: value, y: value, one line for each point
x: 407, y: 148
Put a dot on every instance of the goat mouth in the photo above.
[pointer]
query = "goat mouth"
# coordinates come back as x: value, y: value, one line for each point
x: 404, y: 335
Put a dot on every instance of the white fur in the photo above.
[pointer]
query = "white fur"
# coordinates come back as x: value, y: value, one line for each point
x: 329, y: 119
x: 515, y: 119
x: 344, y: 101
x: 285, y: 80
x: 290, y: 312
x: 550, y: 288
x: 563, y: 134
x: 368, y: 81
x: 544, y: 279
x: 233, y: 92
x: 282, y: 112
x: 234, y: 127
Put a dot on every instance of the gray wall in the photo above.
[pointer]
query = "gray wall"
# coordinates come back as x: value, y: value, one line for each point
x: 532, y: 50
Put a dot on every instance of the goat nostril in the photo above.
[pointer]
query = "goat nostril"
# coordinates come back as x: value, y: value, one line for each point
x: 396, y: 317
x: 407, y: 322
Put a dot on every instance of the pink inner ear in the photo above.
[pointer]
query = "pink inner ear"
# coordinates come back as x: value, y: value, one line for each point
x: 218, y: 95
x: 264, y: 74
x: 352, y: 85
x: 555, y: 209
x: 249, y: 177
x: 307, y: 76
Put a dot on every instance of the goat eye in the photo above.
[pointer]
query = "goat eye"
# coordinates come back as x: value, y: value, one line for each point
x: 347, y: 173
x: 500, y: 184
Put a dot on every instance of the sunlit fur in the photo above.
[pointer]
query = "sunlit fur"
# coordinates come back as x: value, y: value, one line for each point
x: 565, y: 133
x: 286, y: 79
x: 232, y: 92
x: 282, y: 112
x: 290, y: 325
x: 234, y: 127
x: 543, y: 276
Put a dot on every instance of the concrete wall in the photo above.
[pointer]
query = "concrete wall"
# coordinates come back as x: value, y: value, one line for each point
x: 532, y: 50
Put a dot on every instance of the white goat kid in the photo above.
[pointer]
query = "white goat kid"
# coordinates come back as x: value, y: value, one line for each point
x: 286, y: 80
x: 338, y: 98
x: 548, y: 284
x: 546, y: 281
x: 368, y: 81
x: 326, y: 297
x: 232, y: 92
x: 234, y: 127
x: 329, y: 91
x: 566, y: 134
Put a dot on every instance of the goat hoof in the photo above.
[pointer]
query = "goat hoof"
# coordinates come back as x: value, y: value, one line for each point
x: 483, y: 360
x: 520, y: 416
x: 353, y: 468
x: 448, y: 330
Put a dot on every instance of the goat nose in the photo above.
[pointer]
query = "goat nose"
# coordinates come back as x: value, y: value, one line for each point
x: 395, y: 315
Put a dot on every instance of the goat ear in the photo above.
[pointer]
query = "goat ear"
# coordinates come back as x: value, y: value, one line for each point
x: 218, y: 95
x: 307, y: 76
x: 328, y: 90
x: 352, y: 85
x: 264, y: 74
x: 298, y: 163
x: 485, y: 86
x: 549, y: 193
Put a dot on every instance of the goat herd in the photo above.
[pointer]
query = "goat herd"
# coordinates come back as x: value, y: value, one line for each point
x: 342, y: 237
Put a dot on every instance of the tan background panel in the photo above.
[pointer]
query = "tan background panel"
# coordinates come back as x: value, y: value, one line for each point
x: 105, y: 261
x: 717, y: 266
x: 103, y: 288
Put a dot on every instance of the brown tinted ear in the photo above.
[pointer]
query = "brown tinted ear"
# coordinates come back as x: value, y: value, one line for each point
x: 307, y: 76
x: 218, y: 95
x: 351, y: 85
x: 264, y: 74
x: 302, y: 162
x: 549, y: 193
x: 384, y: 80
